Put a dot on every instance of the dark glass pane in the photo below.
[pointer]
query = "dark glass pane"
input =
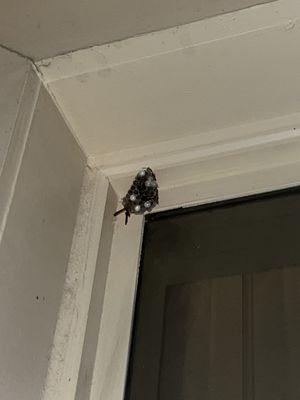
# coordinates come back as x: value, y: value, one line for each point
x: 218, y: 309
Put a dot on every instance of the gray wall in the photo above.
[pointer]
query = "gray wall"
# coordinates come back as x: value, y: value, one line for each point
x: 34, y: 251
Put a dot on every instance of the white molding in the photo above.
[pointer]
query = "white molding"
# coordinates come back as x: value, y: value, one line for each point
x: 17, y: 145
x: 207, y: 162
x: 114, y: 339
x: 201, y: 168
x: 66, y: 352
x: 231, y: 186
x: 109, y: 374
x: 112, y: 353
x: 266, y: 166
x: 228, y: 170
x: 106, y: 75
x: 188, y: 147
x: 282, y: 13
x: 57, y: 104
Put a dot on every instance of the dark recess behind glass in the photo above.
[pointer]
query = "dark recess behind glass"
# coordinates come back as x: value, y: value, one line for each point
x: 218, y: 305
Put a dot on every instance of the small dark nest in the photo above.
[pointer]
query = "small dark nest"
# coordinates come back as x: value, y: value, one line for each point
x: 142, y: 195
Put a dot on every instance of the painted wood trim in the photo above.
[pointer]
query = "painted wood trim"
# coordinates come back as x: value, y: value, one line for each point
x: 203, y: 168
x: 195, y: 166
x: 191, y: 147
x: 16, y: 149
x: 66, y: 352
x: 282, y: 13
x: 112, y: 353
x: 114, y: 338
x: 236, y: 172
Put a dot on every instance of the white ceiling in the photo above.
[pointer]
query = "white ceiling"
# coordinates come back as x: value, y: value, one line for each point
x: 41, y: 29
x: 227, y: 71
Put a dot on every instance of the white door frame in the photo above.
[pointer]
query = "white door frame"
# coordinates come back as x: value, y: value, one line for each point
x: 202, y: 174
x: 114, y: 339
x: 91, y: 341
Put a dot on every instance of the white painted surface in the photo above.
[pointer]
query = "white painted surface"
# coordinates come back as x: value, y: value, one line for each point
x: 35, y: 249
x: 235, y: 181
x: 89, y: 350
x: 169, y: 40
x: 112, y: 351
x: 66, y: 352
x: 182, y: 169
x: 17, y: 144
x: 13, y: 72
x: 193, y: 149
x: 199, y: 78
x: 211, y: 106
x: 46, y: 29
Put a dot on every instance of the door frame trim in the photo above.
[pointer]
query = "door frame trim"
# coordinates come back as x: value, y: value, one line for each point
x: 275, y: 168
x: 90, y: 351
